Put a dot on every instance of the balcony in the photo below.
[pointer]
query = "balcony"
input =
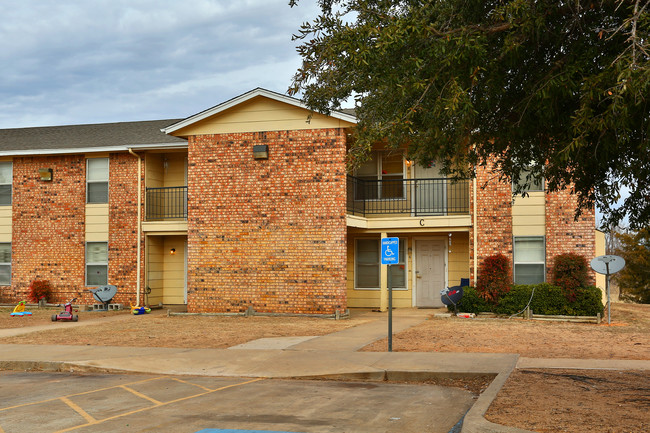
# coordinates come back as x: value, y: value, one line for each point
x: 166, y: 203
x: 407, y: 197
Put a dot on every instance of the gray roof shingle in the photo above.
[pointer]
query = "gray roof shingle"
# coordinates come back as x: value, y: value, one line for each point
x: 87, y: 136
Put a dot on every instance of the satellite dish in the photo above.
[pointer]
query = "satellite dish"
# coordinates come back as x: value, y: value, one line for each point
x: 607, y: 264
x: 451, y: 295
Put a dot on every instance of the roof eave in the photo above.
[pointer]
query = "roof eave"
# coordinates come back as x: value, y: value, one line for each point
x: 243, y: 98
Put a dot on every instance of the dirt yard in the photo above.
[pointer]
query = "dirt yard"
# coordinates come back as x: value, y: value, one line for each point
x: 628, y: 337
x: 158, y: 330
x: 577, y: 401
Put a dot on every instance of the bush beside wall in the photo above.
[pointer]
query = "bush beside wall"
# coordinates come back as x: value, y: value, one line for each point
x: 548, y: 299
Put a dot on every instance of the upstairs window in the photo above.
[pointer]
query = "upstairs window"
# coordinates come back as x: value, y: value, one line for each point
x: 97, y: 180
x: 6, y: 181
x: 535, y: 183
x: 383, y: 175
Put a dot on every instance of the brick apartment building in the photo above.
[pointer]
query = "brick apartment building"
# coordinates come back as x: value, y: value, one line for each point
x: 248, y: 204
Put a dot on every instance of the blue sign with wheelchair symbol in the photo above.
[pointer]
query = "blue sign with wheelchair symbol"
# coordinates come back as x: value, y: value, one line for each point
x: 390, y: 251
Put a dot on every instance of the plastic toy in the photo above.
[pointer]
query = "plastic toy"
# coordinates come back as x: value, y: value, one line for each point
x: 20, y: 310
x: 139, y: 310
x: 66, y: 315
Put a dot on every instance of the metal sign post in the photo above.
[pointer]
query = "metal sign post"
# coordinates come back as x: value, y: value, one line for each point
x: 390, y: 256
x: 608, y: 265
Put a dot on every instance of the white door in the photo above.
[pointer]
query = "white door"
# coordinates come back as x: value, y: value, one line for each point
x: 430, y: 191
x: 429, y: 272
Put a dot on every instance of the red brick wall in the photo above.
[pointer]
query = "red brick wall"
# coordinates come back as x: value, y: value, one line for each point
x: 123, y: 226
x: 494, y: 216
x: 270, y: 234
x: 48, y: 226
x: 566, y: 235
x: 48, y: 240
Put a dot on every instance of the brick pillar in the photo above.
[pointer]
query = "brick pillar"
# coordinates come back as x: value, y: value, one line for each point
x: 269, y: 234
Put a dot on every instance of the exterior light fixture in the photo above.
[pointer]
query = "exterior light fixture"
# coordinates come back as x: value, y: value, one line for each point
x: 261, y: 151
x: 172, y: 251
x: 45, y: 174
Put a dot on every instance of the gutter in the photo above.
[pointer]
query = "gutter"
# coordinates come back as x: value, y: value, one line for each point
x: 73, y: 150
x: 475, y: 217
x: 139, y: 231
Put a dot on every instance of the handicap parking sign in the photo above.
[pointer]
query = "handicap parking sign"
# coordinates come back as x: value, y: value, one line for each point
x: 390, y: 251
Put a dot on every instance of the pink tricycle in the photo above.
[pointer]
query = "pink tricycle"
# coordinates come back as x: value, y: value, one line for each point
x: 66, y: 315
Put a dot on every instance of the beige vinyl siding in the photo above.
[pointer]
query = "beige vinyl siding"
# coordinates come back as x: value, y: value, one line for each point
x: 165, y: 271
x: 155, y: 265
x: 261, y: 114
x: 528, y: 215
x: 174, y: 270
x: 154, y: 166
x: 458, y: 258
x: 175, y: 173
x: 5, y: 223
x: 97, y: 222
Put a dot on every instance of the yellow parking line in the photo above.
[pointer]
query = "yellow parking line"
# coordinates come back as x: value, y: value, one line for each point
x: 188, y: 383
x: 79, y: 393
x: 139, y: 394
x: 78, y: 409
x: 158, y: 405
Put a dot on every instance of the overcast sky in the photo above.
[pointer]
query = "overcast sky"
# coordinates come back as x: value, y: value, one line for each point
x: 93, y: 61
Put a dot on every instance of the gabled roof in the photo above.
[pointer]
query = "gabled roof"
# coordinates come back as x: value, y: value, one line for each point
x: 102, y: 137
x: 246, y: 97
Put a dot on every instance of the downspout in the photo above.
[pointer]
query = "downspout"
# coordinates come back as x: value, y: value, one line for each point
x: 138, y: 264
x: 475, y: 230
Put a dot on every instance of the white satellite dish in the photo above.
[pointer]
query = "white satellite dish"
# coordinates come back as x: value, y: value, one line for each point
x: 608, y: 265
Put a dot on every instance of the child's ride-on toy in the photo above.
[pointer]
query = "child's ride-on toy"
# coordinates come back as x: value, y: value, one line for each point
x: 66, y: 315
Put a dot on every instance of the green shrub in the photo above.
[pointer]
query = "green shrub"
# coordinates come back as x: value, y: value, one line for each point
x: 39, y: 289
x: 551, y: 300
x: 494, y: 278
x: 570, y: 272
x: 471, y: 302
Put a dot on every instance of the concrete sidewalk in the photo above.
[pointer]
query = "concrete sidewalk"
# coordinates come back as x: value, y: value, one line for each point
x: 332, y: 356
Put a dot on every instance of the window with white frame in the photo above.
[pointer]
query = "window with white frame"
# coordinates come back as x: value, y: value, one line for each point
x: 6, y: 181
x: 528, y: 181
x: 96, y: 263
x: 5, y: 263
x: 384, y: 175
x: 97, y: 180
x: 529, y: 259
x: 367, y: 269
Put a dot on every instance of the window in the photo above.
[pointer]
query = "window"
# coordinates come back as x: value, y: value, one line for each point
x: 5, y: 264
x: 96, y: 263
x: 97, y: 180
x: 530, y: 260
x: 535, y: 183
x: 383, y: 174
x: 368, y: 265
x: 6, y: 180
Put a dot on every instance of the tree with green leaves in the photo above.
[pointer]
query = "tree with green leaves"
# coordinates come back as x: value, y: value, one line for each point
x: 559, y: 89
x: 634, y: 278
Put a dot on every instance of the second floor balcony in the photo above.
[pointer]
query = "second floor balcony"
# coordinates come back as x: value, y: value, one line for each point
x: 407, y: 197
x: 168, y: 203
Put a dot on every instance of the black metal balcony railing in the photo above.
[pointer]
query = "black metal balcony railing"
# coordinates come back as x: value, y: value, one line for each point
x: 417, y: 197
x: 166, y: 203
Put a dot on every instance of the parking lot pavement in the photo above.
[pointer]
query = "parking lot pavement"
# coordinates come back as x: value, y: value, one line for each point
x: 67, y: 402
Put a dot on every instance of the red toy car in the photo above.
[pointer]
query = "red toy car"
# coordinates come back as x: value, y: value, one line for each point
x: 67, y: 313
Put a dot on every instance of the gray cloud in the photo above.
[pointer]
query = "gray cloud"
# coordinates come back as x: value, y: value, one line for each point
x: 70, y: 62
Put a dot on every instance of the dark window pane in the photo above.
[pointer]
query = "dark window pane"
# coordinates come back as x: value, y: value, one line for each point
x: 5, y: 195
x: 98, y: 192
